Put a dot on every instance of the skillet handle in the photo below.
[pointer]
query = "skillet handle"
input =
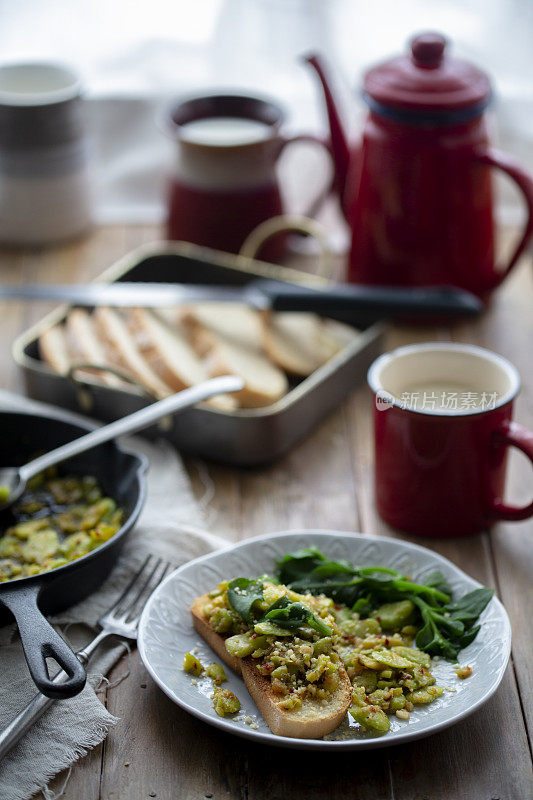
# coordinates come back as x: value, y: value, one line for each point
x: 40, y: 641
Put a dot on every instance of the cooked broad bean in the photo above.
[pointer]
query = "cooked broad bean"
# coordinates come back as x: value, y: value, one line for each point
x: 225, y: 703
x: 242, y: 645
x: 371, y: 717
x: 216, y: 673
x: 193, y: 665
x: 56, y: 521
x: 393, y: 616
x: 424, y: 696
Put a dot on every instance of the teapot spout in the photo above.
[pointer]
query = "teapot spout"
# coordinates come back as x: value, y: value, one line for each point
x: 339, y: 138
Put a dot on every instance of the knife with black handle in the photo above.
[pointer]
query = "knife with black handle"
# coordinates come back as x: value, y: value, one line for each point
x: 348, y: 302
x: 377, y: 301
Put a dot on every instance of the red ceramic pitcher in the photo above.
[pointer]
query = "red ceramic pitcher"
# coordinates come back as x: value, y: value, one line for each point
x: 417, y: 190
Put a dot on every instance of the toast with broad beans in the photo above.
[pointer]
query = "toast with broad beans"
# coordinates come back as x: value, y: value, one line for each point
x: 294, y: 675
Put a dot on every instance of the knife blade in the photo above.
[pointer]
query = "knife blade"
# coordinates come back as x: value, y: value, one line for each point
x: 122, y: 294
x: 340, y: 301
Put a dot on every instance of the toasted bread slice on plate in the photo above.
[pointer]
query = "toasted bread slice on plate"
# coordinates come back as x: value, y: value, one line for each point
x: 215, y: 640
x: 312, y: 721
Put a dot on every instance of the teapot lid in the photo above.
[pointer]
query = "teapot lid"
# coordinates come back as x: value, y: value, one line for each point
x: 427, y: 81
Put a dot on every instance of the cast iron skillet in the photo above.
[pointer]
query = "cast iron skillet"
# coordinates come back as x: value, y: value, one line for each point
x: 122, y: 476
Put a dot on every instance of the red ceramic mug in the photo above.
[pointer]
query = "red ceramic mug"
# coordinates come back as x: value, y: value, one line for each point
x: 442, y: 417
x: 224, y: 181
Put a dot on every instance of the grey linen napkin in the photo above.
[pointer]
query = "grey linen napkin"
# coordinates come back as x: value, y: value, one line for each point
x: 170, y: 526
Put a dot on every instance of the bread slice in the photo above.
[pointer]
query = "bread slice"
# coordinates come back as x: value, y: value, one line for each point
x: 342, y: 333
x: 167, y: 350
x: 85, y: 346
x: 299, y: 343
x: 312, y: 721
x: 236, y: 322
x: 264, y: 383
x: 170, y: 355
x: 122, y: 351
x: 228, y: 336
x: 214, y: 640
x: 54, y: 350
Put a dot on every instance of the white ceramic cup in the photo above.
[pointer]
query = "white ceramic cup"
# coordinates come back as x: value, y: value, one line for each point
x: 45, y: 192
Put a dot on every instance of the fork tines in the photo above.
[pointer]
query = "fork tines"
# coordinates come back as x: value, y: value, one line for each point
x: 132, y: 600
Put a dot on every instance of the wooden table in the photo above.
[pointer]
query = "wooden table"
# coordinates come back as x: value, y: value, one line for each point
x: 157, y: 750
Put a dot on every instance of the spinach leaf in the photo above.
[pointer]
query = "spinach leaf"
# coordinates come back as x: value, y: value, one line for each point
x: 376, y: 572
x: 243, y: 596
x: 299, y: 564
x: 341, y: 590
x: 447, y: 626
x: 453, y: 627
x: 437, y: 580
x: 440, y: 635
x: 469, y: 636
x: 308, y: 570
x: 431, y: 640
x: 363, y: 606
x: 468, y: 608
x: 347, y: 589
x: 295, y: 615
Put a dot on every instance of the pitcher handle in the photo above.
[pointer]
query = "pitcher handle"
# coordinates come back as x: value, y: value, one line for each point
x: 511, y: 434
x: 315, y: 206
x: 524, y: 181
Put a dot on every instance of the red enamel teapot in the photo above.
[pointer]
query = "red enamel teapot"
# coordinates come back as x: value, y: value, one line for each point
x: 417, y: 190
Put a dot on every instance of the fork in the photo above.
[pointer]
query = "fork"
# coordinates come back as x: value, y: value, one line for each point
x: 121, y: 620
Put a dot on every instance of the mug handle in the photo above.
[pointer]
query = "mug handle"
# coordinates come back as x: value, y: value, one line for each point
x: 511, y: 434
x: 324, y: 193
x: 524, y: 181
x: 290, y: 222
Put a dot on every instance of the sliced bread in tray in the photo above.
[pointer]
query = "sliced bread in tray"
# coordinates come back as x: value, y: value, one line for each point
x: 174, y: 348
x: 85, y: 346
x: 237, y: 323
x: 264, y: 383
x: 169, y: 354
x: 122, y: 350
x: 228, y: 336
x: 54, y: 349
x: 300, y: 343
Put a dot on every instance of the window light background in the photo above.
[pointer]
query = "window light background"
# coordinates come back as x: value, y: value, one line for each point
x: 135, y: 56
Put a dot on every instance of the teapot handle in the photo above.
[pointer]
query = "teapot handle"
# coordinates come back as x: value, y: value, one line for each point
x: 524, y: 181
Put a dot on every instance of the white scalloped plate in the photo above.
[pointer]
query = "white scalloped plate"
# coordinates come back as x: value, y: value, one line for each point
x: 166, y: 633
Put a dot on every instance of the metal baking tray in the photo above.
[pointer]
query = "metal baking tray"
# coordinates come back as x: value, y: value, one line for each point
x: 246, y: 437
